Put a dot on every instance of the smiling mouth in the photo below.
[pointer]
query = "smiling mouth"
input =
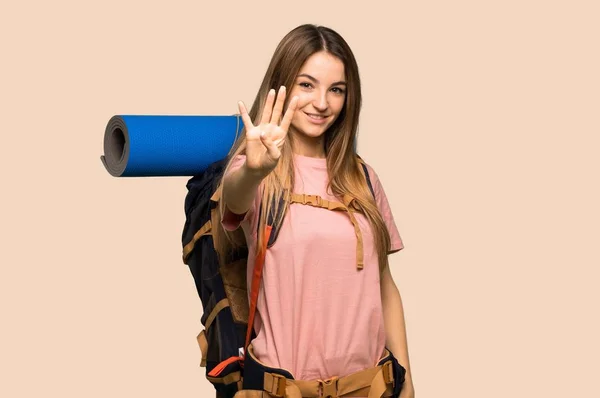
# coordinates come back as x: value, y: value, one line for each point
x: 315, y: 116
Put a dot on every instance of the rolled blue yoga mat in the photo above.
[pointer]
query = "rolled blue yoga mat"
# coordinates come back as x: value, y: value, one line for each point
x: 157, y: 145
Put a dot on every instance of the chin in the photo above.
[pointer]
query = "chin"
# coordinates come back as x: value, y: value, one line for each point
x: 314, y: 132
x: 311, y: 130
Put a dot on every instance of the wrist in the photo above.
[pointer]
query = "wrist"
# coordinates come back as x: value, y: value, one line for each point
x: 254, y: 175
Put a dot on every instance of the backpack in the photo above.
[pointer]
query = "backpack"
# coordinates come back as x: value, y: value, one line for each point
x: 221, y: 285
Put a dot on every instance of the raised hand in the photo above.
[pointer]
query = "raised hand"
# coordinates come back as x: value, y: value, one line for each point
x: 264, y: 141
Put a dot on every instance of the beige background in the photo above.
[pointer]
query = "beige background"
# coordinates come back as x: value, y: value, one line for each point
x: 481, y: 118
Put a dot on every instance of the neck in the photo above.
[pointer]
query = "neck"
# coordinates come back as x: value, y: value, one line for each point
x: 313, y: 147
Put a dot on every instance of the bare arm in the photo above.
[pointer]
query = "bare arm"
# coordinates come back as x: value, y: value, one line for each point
x: 395, y: 327
x: 239, y: 189
x: 263, y: 150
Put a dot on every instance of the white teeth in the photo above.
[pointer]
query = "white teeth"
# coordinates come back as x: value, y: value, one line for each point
x: 315, y: 116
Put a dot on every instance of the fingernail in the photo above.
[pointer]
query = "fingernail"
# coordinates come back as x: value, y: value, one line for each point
x: 282, y: 88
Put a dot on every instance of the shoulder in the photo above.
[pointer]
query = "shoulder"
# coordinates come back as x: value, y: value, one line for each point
x: 374, y: 180
x: 385, y: 209
x: 372, y: 176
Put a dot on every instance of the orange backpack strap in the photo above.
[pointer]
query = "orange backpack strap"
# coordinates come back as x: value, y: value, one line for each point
x: 317, y: 201
x: 256, y: 277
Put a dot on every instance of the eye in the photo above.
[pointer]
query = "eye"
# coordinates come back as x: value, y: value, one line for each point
x: 339, y: 90
x: 305, y: 85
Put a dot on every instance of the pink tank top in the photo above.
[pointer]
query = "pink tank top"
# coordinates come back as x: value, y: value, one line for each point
x: 317, y: 315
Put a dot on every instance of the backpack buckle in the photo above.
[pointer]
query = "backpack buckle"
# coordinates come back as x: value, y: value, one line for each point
x: 277, y: 388
x: 313, y: 200
x: 388, y: 372
x: 329, y: 387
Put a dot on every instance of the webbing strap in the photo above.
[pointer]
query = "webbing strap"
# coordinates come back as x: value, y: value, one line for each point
x: 204, y: 230
x: 213, y: 314
x: 254, y: 290
x: 374, y: 382
x: 359, y: 242
x: 257, y: 275
x: 230, y: 378
x: 217, y: 194
x: 317, y: 201
x: 201, y: 338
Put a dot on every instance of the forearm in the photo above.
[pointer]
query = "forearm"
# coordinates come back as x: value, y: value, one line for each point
x: 239, y: 189
x: 395, y: 327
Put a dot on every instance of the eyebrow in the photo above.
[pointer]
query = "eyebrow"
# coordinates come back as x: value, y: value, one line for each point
x: 316, y: 81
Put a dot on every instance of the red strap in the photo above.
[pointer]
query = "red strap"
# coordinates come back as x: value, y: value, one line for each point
x: 221, y: 366
x: 258, y: 268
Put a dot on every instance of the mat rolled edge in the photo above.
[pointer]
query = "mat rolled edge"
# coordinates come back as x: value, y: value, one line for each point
x: 116, y: 146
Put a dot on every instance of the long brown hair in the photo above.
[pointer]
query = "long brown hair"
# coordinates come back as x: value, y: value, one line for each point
x: 345, y: 172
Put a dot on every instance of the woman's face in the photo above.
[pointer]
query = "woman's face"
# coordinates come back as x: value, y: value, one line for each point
x: 321, y: 89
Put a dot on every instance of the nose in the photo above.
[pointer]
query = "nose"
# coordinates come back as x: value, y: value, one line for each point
x: 320, y: 100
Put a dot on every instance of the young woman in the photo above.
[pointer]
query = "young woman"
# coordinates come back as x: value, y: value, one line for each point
x: 328, y: 306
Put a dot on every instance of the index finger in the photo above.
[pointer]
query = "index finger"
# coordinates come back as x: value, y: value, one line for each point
x: 245, y: 116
